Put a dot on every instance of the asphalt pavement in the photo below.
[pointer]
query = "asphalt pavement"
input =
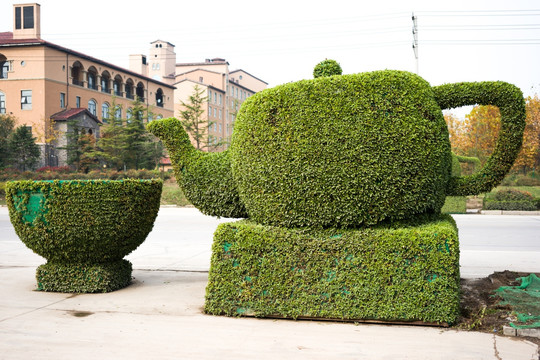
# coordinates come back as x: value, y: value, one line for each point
x: 159, y: 316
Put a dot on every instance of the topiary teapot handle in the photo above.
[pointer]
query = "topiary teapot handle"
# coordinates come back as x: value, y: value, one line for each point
x: 509, y: 99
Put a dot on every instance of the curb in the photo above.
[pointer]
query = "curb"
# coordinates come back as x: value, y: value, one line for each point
x: 508, y: 212
x: 510, y: 331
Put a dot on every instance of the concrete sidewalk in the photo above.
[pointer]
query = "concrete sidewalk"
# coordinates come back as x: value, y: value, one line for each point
x: 160, y: 315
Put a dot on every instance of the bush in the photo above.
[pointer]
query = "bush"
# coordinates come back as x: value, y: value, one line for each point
x: 527, y: 181
x: 327, y: 68
x: 83, y: 225
x: 510, y: 199
x: 510, y: 205
x: 405, y: 271
x: 510, y: 195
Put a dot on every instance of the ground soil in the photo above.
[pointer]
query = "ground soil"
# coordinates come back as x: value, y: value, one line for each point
x: 481, y: 308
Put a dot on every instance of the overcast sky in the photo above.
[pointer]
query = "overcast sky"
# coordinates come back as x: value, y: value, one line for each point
x: 281, y: 41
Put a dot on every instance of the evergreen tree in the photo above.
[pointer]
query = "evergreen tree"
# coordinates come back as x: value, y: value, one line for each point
x: 136, y: 137
x: 24, y: 151
x: 111, y: 146
x: 195, y: 124
x: 7, y: 123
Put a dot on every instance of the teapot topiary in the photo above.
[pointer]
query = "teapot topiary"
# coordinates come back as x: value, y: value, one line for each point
x: 343, y: 151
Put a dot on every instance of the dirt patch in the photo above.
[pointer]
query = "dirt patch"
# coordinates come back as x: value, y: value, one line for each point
x: 481, y: 308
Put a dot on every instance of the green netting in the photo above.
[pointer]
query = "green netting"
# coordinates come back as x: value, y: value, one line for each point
x: 524, y: 300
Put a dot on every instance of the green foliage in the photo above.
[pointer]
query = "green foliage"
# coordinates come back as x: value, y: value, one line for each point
x: 327, y: 67
x: 84, y: 278
x: 7, y: 123
x: 341, y: 151
x: 205, y: 178
x: 194, y: 123
x: 82, y: 223
x: 23, y: 149
x: 455, y: 205
x: 405, y: 271
x: 125, y: 144
x: 510, y: 199
x: 511, y: 104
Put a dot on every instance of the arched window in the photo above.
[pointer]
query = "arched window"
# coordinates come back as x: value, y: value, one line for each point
x: 92, y: 107
x: 4, y: 67
x: 118, y: 113
x: 92, y: 78
x: 117, y: 85
x: 129, y: 113
x: 129, y: 89
x: 104, y: 111
x: 76, y: 73
x: 140, y: 91
x: 2, y: 103
x: 105, y: 80
x: 159, y: 98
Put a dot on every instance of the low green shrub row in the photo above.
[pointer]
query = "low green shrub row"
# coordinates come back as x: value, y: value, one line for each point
x: 404, y: 271
x: 455, y: 205
x: 511, y: 205
x: 62, y: 174
x: 511, y: 199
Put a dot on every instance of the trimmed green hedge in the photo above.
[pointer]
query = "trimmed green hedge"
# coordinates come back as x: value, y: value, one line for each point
x: 341, y: 151
x: 83, y: 225
x: 405, y: 271
x: 205, y: 178
x: 511, y: 103
x: 510, y: 199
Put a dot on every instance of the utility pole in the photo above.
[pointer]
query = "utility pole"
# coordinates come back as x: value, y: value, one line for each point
x: 415, y: 39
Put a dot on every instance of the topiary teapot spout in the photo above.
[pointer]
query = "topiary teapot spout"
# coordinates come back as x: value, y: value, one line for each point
x: 205, y: 178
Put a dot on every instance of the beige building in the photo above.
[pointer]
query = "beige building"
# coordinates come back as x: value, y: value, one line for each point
x: 225, y: 90
x: 40, y: 81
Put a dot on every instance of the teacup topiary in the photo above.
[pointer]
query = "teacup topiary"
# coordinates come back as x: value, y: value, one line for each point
x: 83, y: 228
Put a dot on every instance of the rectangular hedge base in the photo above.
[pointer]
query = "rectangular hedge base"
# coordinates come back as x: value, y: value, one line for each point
x: 400, y: 272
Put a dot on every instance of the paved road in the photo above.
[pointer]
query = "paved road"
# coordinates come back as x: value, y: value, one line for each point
x: 159, y: 315
x: 182, y: 240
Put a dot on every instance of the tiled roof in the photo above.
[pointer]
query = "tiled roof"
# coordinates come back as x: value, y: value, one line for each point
x: 71, y: 113
x: 6, y: 39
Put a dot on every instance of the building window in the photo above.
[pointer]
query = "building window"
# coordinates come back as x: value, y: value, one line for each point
x: 209, y: 95
x: 2, y: 103
x: 28, y: 17
x: 159, y: 98
x: 26, y: 99
x: 118, y: 113
x: 4, y: 67
x: 92, y: 107
x: 105, y: 111
x: 220, y: 115
x: 129, y: 90
x: 78, y: 102
x: 62, y: 100
x: 92, y: 81
x: 201, y: 79
x: 105, y: 83
x: 215, y: 98
x: 220, y: 99
x: 128, y: 113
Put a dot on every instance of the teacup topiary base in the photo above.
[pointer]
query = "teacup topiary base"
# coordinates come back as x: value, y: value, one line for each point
x: 84, y: 278
x: 406, y: 271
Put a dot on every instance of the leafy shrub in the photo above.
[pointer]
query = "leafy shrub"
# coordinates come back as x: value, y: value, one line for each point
x: 510, y: 205
x: 327, y: 67
x: 511, y: 195
x: 510, y: 199
x: 83, y: 225
x: 405, y: 271
x: 527, y: 181
x: 455, y: 205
